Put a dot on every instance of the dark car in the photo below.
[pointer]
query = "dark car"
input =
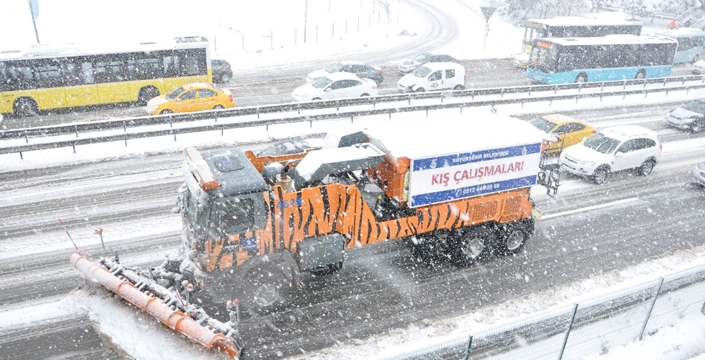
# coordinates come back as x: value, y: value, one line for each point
x: 410, y: 65
x: 222, y: 72
x: 688, y: 116
x: 291, y: 147
x: 362, y: 70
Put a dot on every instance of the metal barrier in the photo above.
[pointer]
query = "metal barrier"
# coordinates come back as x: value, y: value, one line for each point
x: 574, y: 331
x: 451, y: 99
x: 329, y: 104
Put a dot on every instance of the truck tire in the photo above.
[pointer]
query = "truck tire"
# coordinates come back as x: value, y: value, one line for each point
x: 473, y: 244
x: 267, y: 289
x: 513, y: 237
x: 431, y: 249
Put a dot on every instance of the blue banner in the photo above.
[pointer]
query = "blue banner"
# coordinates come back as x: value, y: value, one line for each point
x: 477, y: 156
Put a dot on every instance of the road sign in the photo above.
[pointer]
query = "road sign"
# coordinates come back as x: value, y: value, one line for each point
x: 487, y: 11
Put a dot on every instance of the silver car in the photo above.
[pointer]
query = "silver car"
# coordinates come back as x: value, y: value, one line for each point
x: 689, y: 116
x: 698, y: 174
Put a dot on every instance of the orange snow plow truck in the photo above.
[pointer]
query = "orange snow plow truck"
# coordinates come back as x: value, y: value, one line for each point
x: 455, y: 189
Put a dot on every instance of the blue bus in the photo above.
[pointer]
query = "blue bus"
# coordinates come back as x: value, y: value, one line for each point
x: 606, y: 58
x: 576, y: 26
x: 690, y: 43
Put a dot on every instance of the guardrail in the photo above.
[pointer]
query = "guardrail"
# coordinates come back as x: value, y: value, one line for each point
x: 329, y: 104
x: 215, y: 115
x: 577, y: 330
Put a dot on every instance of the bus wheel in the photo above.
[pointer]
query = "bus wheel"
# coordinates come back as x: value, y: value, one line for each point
x: 146, y: 94
x: 696, y: 58
x: 640, y: 75
x: 582, y: 78
x: 25, y: 107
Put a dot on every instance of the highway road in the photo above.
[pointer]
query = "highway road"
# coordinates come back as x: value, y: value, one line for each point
x: 380, y: 288
x: 276, y: 88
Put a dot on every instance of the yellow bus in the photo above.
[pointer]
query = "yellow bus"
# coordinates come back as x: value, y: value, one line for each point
x: 52, y: 77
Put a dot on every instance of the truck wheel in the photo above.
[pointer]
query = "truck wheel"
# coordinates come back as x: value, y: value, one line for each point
x: 431, y: 249
x: 472, y: 245
x: 513, y: 238
x: 267, y: 289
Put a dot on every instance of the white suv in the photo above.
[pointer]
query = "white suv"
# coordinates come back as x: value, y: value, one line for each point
x: 613, y: 149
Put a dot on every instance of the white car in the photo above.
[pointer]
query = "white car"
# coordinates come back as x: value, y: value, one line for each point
x: 362, y: 70
x: 433, y: 76
x: 335, y: 86
x: 409, y: 65
x: 699, y: 67
x: 613, y: 149
x: 521, y: 61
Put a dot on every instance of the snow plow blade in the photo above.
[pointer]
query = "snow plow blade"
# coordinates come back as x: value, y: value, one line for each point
x: 113, y: 277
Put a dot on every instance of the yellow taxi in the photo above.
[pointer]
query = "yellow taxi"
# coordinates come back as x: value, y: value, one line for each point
x: 563, y: 131
x: 190, y: 98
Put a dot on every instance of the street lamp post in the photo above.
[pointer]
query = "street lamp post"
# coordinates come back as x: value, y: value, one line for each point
x: 305, y: 18
x: 33, y: 12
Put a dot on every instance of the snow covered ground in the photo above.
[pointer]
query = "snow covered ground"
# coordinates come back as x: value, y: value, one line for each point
x: 684, y: 340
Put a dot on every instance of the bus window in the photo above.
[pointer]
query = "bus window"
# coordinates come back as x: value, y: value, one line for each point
x: 47, y: 74
x: 171, y: 66
x: 20, y: 77
x: 87, y: 72
x: 70, y: 74
x: 108, y: 71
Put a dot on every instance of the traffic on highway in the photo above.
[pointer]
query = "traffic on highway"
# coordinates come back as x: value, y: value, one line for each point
x: 288, y: 240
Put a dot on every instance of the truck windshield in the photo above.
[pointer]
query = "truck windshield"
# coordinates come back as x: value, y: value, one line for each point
x: 234, y: 215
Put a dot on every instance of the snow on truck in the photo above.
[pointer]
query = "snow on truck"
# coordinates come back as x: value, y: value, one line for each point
x: 254, y: 226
